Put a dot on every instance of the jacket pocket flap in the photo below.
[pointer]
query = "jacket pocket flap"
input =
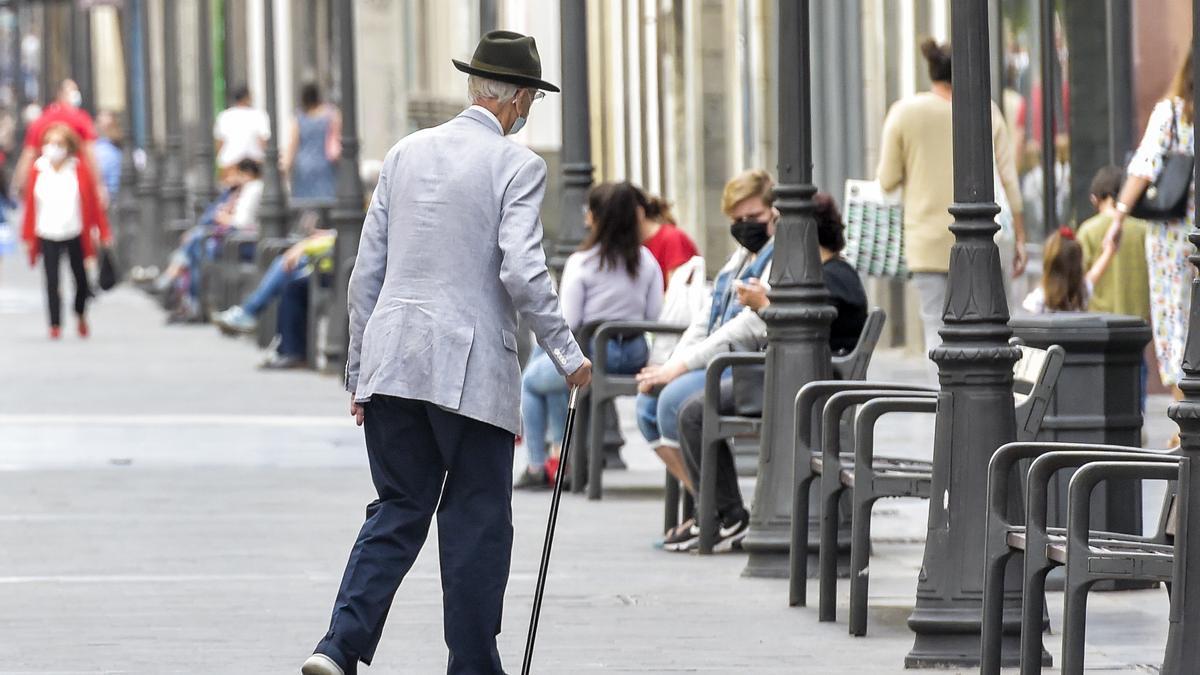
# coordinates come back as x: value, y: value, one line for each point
x: 510, y: 341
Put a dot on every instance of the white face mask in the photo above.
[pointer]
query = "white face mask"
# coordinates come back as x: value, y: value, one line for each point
x: 520, y: 121
x: 54, y: 152
x: 75, y: 98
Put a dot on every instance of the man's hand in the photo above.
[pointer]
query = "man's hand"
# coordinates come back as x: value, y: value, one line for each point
x: 582, y: 376
x: 356, y: 411
x: 657, y: 376
x: 752, y: 294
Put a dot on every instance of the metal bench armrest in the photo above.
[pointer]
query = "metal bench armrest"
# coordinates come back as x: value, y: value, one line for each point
x: 811, y: 399
x: 871, y: 411
x: 838, y: 404
x: 603, y: 332
x: 1085, y: 480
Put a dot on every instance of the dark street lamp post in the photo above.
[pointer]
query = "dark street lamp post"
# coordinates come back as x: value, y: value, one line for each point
x: 576, y: 125
x: 347, y: 213
x: 975, y: 408
x: 272, y: 214
x: 174, y: 191
x: 1182, y: 646
x: 206, y: 185
x: 799, y: 315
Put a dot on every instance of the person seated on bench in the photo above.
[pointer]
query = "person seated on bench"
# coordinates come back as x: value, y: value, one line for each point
x: 849, y: 298
x: 612, y: 277
x: 236, y: 209
x: 294, y: 265
x: 725, y: 325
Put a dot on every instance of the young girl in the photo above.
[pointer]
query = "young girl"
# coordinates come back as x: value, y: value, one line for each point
x: 63, y: 216
x: 1065, y: 287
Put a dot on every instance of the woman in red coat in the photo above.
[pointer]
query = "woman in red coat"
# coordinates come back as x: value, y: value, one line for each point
x: 63, y: 216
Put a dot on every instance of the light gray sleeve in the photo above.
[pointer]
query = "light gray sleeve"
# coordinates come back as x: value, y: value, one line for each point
x: 654, y: 292
x: 523, y: 266
x: 366, y: 280
x: 744, y: 332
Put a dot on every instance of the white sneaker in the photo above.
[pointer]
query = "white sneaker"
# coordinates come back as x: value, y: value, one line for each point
x: 319, y: 664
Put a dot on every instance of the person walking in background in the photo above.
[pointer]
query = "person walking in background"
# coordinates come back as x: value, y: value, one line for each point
x: 1125, y: 289
x: 63, y: 216
x: 241, y: 132
x: 108, y: 152
x: 451, y: 251
x: 64, y: 110
x: 1169, y: 130
x: 314, y: 147
x: 1065, y: 286
x: 669, y: 245
x: 612, y: 277
x: 916, y: 154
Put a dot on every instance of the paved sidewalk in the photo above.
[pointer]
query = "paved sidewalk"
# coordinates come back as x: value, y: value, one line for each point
x: 167, y: 508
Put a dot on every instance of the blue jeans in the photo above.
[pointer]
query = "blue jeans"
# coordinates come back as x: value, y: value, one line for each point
x: 658, y: 416
x: 544, y: 393
x: 273, y: 283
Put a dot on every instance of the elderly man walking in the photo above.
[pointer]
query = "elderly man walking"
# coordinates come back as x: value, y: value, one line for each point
x: 451, y: 250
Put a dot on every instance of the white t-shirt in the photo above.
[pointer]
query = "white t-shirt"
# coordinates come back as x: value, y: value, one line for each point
x: 1035, y: 302
x: 59, y: 215
x: 242, y: 131
x: 245, y: 209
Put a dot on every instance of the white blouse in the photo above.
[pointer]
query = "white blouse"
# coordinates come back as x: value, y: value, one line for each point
x: 58, y: 212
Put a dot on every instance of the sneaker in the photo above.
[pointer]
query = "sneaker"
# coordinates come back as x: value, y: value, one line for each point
x: 84, y: 331
x: 685, y: 537
x: 731, y: 531
x: 319, y: 664
x: 279, y: 361
x: 55, y: 332
x: 235, y: 320
x: 532, y: 481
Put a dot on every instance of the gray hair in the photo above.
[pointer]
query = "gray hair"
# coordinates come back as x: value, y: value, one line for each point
x: 483, y: 89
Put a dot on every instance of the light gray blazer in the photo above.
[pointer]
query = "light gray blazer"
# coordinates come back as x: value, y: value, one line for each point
x: 451, y: 250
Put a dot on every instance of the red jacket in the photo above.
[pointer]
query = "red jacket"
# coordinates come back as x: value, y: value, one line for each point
x: 95, y: 220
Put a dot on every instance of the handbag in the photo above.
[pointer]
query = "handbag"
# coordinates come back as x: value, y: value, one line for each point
x: 108, y: 270
x: 1166, y: 199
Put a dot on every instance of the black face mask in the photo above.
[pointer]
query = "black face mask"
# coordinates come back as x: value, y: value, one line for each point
x: 751, y: 234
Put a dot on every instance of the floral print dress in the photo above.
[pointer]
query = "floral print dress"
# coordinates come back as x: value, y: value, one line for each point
x: 1167, y: 247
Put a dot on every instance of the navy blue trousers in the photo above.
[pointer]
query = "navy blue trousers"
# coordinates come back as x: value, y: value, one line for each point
x: 292, y: 318
x: 425, y: 460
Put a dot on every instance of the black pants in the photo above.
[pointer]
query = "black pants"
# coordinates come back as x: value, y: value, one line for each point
x: 426, y: 460
x: 691, y: 418
x: 52, y: 252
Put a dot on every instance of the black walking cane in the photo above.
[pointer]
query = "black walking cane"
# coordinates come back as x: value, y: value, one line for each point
x: 541, y: 582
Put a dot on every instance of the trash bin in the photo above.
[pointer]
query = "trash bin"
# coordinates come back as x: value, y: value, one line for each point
x: 1097, y: 400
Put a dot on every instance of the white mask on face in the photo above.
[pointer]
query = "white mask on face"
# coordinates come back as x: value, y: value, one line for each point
x: 75, y: 98
x: 54, y: 152
x: 520, y: 122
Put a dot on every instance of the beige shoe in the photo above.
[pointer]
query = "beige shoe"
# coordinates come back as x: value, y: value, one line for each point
x: 319, y: 664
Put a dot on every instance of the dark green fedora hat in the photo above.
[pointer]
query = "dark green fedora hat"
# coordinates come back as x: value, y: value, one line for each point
x: 506, y: 56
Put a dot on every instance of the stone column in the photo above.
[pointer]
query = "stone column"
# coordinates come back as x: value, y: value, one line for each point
x: 151, y: 245
x: 975, y: 413
x: 799, y: 315
x: 1120, y: 80
x: 1182, y: 646
x: 81, y: 54
x: 347, y: 213
x: 272, y: 215
x: 1050, y: 215
x: 173, y: 190
x: 130, y: 231
x: 576, y: 130
x: 206, y: 186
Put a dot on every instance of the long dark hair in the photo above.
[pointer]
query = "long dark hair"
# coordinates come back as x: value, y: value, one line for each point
x: 614, y: 208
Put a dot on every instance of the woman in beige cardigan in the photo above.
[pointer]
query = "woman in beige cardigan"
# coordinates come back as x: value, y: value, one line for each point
x: 917, y: 155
